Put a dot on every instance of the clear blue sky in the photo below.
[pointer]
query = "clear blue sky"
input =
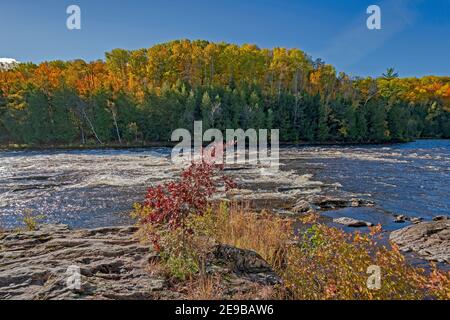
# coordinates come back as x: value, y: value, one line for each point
x: 415, y: 35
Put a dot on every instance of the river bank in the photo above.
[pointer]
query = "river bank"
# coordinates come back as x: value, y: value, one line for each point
x: 108, y: 263
x: 169, y: 144
x: 55, y: 262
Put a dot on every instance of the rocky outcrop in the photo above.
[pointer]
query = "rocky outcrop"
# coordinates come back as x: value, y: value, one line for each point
x: 112, y: 264
x: 430, y: 240
x: 38, y: 264
x: 296, y: 204
x: 401, y: 218
x: 263, y: 201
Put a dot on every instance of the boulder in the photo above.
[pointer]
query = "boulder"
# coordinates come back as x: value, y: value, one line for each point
x: 330, y: 203
x: 246, y: 263
x: 430, y: 240
x: 401, y: 219
x: 416, y: 220
x: 350, y: 222
x: 263, y: 200
x: 325, y: 203
x: 302, y: 206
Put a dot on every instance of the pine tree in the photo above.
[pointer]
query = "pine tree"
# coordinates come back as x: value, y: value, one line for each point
x: 322, y: 127
x: 64, y: 120
x: 376, y: 121
x: 206, y: 108
x: 37, y: 126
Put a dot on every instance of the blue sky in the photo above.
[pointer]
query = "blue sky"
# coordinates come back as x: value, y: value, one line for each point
x: 415, y: 35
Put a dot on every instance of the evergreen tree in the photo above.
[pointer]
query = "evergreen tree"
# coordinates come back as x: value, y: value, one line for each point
x: 376, y: 121
x: 323, y: 127
x: 64, y: 127
x: 37, y: 126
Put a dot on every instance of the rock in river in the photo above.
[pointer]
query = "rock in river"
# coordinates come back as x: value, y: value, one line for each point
x: 431, y: 240
x: 350, y: 222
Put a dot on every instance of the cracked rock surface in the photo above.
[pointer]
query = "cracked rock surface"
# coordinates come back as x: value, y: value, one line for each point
x: 430, y: 240
x: 37, y: 264
x: 113, y: 265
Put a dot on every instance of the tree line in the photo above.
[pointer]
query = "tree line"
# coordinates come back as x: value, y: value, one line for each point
x: 141, y: 96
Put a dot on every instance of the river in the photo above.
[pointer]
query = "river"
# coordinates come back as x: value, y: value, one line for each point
x: 95, y: 188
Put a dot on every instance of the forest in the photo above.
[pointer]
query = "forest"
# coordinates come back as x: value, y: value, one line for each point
x: 140, y: 96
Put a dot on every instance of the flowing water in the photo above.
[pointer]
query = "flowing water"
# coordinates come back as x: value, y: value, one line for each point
x: 87, y: 189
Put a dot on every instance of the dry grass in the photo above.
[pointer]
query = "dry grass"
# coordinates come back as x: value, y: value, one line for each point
x: 264, y: 233
x: 320, y: 263
x: 203, y: 288
x: 155, y: 268
x: 325, y: 262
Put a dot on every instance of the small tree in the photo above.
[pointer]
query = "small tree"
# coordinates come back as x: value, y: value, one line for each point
x: 390, y: 74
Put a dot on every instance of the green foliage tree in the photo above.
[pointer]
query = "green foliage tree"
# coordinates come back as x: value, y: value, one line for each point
x: 142, y: 95
x: 37, y: 127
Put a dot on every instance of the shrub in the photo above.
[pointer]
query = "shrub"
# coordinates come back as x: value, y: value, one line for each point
x: 328, y: 263
x: 30, y: 220
x: 167, y: 217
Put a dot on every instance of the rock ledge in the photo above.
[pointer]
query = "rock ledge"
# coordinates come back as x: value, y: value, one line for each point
x: 430, y: 240
x: 113, y: 265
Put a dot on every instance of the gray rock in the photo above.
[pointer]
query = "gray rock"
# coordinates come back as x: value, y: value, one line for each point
x: 355, y: 202
x: 440, y: 218
x: 329, y: 203
x: 430, y: 240
x: 302, y: 206
x: 113, y: 264
x: 416, y: 220
x: 260, y: 202
x: 246, y: 263
x: 324, y: 203
x: 350, y: 222
x: 401, y: 219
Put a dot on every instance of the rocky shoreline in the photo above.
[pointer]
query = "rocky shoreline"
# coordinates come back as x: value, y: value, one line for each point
x: 430, y: 240
x: 113, y: 264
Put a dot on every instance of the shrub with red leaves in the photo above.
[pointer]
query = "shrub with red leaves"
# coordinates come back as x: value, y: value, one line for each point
x: 168, y: 205
x: 171, y: 202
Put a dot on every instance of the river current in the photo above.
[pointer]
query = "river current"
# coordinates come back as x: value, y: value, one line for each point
x: 95, y: 188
